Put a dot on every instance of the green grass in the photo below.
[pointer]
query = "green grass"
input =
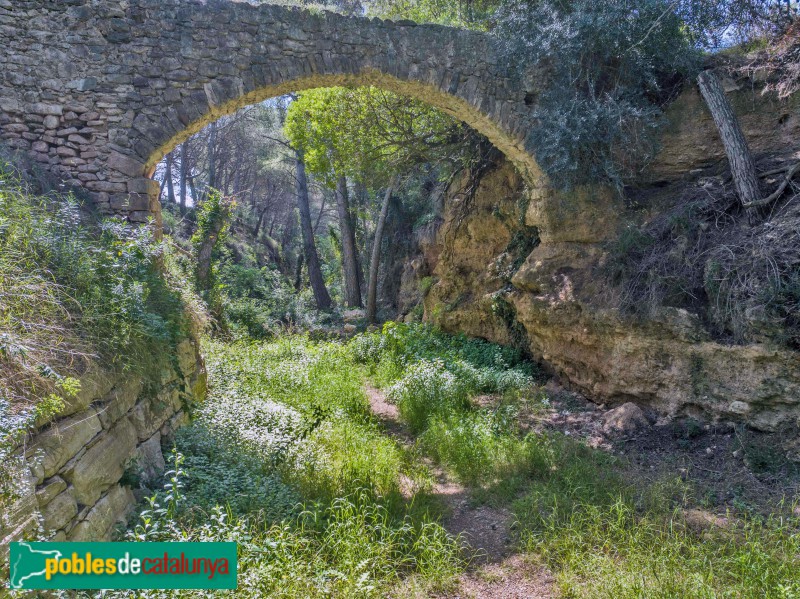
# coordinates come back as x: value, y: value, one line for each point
x: 579, y: 511
x: 286, y: 459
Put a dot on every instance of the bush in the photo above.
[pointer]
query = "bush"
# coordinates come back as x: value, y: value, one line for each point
x: 260, y: 302
x: 427, y: 388
x: 600, y: 70
x: 72, y: 289
x: 482, y: 451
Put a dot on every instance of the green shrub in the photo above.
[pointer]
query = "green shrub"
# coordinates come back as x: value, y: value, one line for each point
x: 260, y: 302
x: 425, y: 389
x: 72, y: 289
x: 482, y: 451
x: 602, y: 71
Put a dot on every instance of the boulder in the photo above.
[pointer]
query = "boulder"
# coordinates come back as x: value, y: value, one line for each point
x: 187, y: 357
x: 626, y: 419
x: 701, y: 520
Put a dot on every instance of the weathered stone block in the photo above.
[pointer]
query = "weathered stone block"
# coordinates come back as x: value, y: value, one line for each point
x: 109, y: 186
x: 150, y: 414
x: 119, y: 401
x: 63, y: 440
x: 133, y: 201
x: 49, y: 489
x: 103, y: 463
x: 95, y: 383
x: 150, y: 459
x: 42, y: 108
x: 99, y: 522
x: 60, y: 511
x: 144, y: 186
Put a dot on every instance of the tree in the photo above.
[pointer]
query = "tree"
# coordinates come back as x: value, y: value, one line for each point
x: 374, y: 265
x: 349, y: 249
x: 212, y: 220
x: 474, y: 14
x: 602, y: 71
x: 743, y: 167
x: 321, y: 295
x: 184, y: 171
x: 740, y: 159
x: 370, y: 136
x: 168, y: 178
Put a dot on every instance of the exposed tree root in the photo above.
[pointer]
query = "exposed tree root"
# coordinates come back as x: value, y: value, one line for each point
x: 791, y: 171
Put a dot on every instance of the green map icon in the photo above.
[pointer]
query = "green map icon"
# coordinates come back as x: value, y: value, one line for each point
x: 27, y: 563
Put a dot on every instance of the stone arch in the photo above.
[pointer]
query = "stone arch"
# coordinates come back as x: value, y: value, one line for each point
x: 97, y: 91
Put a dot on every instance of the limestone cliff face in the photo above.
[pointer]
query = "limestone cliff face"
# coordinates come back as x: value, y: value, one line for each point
x: 510, y: 268
x: 690, y: 139
x: 76, y: 488
x: 472, y: 259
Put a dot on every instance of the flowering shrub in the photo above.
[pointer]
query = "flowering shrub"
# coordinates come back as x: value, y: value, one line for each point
x: 368, y: 348
x: 427, y: 388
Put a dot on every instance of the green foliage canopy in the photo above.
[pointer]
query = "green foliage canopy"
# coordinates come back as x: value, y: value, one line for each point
x: 603, y: 71
x: 369, y: 134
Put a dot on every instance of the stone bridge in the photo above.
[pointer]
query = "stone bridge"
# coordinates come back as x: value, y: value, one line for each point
x: 98, y: 91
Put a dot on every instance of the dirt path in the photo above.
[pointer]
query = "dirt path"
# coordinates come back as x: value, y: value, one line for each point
x: 495, y: 572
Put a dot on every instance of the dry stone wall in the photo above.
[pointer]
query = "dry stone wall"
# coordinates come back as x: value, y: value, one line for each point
x: 97, y: 91
x: 75, y: 486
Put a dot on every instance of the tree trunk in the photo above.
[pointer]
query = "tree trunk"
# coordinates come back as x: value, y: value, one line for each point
x: 290, y: 256
x: 372, y: 289
x: 212, y: 162
x: 352, y: 289
x: 271, y: 244
x: 169, y: 181
x: 206, y: 249
x: 321, y: 295
x: 743, y: 168
x: 298, y: 273
x: 193, y: 188
x: 184, y: 170
x: 362, y: 200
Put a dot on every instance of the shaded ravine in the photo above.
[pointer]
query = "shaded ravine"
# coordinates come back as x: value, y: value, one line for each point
x: 495, y: 571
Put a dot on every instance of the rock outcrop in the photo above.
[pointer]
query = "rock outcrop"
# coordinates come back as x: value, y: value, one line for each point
x: 527, y: 274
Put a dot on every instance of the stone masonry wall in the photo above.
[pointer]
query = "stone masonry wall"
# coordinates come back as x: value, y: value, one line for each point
x: 97, y: 91
x: 118, y: 423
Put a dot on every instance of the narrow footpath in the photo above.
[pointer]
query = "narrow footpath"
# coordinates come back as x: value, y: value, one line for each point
x: 495, y: 571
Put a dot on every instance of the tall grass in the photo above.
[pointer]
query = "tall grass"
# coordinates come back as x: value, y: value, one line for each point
x: 285, y: 458
x: 579, y: 511
x: 431, y: 377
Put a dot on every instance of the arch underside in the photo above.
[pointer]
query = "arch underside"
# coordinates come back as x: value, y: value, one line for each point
x: 452, y: 105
